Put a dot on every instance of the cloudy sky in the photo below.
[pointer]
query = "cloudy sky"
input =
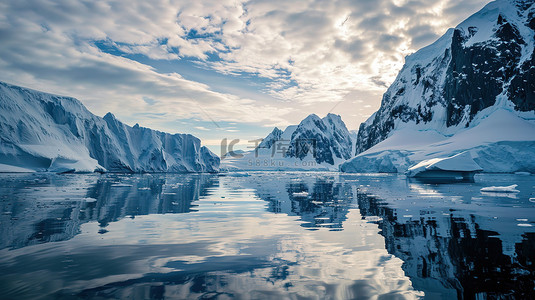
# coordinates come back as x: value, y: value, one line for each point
x: 222, y: 68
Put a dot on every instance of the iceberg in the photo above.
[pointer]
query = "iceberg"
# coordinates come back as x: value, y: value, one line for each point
x: 460, y: 166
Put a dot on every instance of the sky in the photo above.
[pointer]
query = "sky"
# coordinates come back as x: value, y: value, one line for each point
x: 219, y: 69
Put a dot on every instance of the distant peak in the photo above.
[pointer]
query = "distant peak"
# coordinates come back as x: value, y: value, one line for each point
x: 110, y: 116
x: 333, y: 116
x: 311, y: 117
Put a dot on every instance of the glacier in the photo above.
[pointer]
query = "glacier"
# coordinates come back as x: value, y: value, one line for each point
x: 471, y: 90
x: 45, y: 132
x: 500, y: 143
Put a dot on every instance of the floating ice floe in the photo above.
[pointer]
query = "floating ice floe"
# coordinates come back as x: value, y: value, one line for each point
x: 121, y: 185
x: 460, y: 166
x: 501, y: 189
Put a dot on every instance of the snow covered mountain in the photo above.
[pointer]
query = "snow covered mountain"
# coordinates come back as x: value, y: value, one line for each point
x: 480, y: 72
x: 314, y: 144
x: 44, y: 132
x: 328, y: 139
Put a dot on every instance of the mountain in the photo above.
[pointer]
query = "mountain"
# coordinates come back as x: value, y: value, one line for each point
x: 480, y: 72
x: 327, y: 139
x: 44, y: 132
x: 273, y: 137
x: 315, y: 144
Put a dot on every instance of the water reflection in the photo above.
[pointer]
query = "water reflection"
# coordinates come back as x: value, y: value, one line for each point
x: 318, y: 201
x: 263, y: 235
x: 48, y: 207
x: 460, y: 244
x: 191, y: 237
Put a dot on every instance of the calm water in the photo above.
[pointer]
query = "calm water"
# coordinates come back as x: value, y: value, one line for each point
x: 264, y: 236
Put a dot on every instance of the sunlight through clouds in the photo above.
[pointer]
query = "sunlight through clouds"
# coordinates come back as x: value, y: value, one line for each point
x: 283, y: 59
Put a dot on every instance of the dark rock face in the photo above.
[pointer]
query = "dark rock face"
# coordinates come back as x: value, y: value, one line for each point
x: 522, y: 88
x: 325, y: 139
x: 369, y: 135
x: 309, y: 139
x: 463, y: 73
x: 476, y: 74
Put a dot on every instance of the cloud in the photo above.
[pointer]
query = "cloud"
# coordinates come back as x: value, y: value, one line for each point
x: 304, y: 55
x: 149, y: 100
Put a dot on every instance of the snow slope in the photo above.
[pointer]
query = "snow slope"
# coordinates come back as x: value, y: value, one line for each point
x: 44, y: 132
x: 501, y: 142
x: 314, y: 144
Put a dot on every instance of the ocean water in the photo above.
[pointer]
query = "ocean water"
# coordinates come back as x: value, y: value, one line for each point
x: 264, y: 236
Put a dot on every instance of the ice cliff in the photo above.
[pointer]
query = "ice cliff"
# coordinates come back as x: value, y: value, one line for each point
x: 44, y: 132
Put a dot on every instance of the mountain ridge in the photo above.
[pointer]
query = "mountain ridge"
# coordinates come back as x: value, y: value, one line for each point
x: 314, y: 144
x: 46, y: 132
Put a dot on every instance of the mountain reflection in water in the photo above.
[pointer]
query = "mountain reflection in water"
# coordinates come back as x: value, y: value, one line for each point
x: 263, y: 235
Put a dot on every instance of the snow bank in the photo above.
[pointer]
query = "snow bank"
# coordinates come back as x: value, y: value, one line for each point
x: 501, y: 142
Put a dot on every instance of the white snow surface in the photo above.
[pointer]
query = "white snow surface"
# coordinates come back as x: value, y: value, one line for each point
x: 462, y: 162
x: 501, y: 189
x: 501, y: 141
x: 45, y: 132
